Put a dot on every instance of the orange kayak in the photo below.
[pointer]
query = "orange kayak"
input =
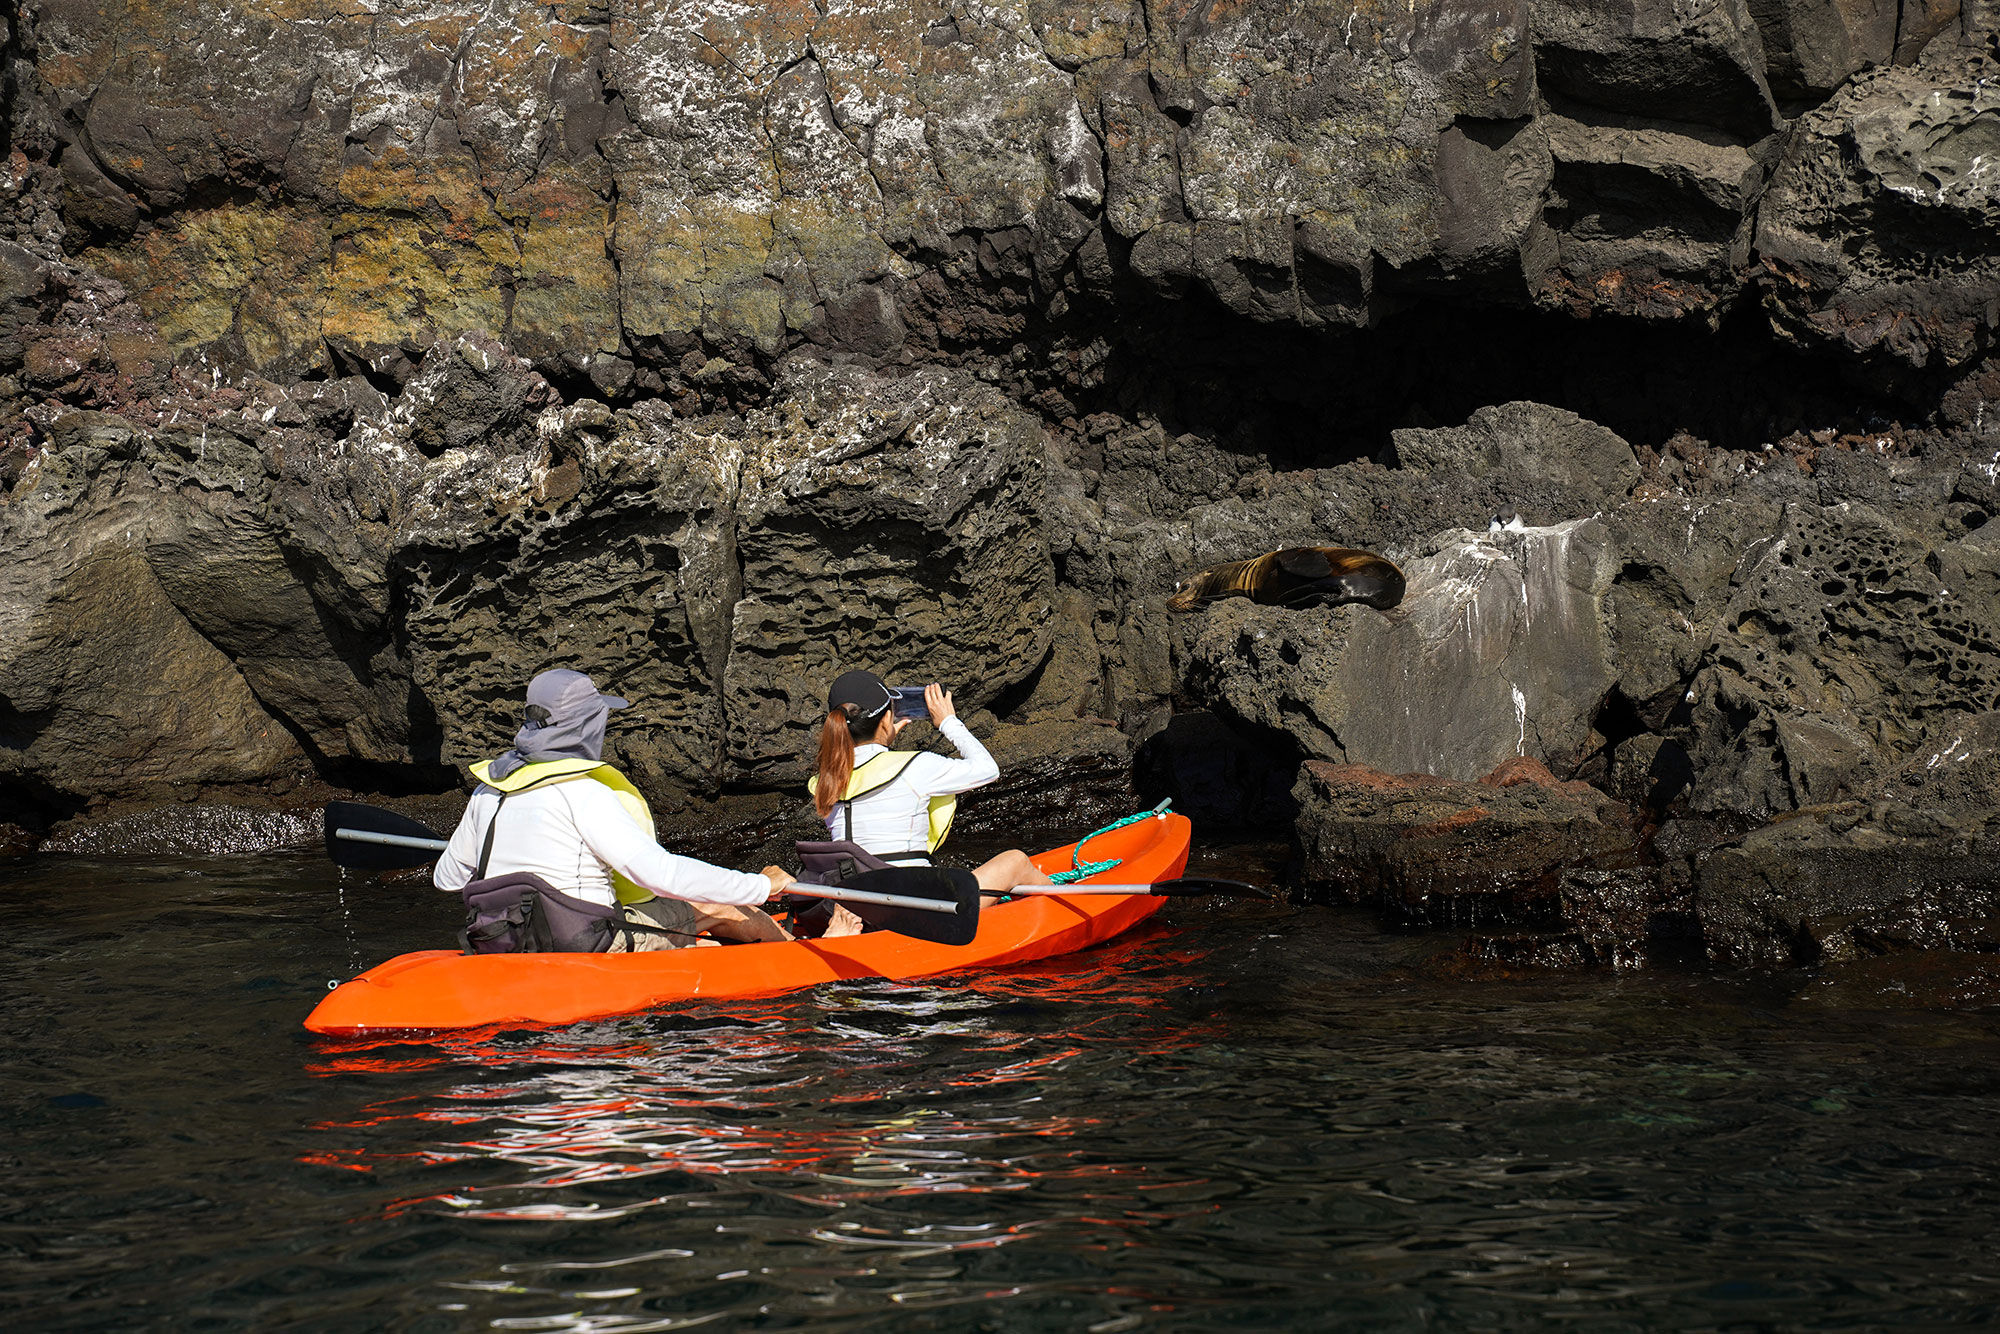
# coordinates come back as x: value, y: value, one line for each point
x: 432, y: 990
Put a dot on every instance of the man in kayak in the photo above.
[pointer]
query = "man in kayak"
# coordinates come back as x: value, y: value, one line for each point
x: 551, y: 807
x: 898, y: 805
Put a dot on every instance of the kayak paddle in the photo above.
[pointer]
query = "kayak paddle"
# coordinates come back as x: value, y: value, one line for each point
x: 1187, y: 887
x: 368, y: 838
x: 925, y: 902
x: 935, y: 903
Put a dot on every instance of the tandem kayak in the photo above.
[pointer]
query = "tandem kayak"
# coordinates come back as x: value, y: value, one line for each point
x: 433, y: 990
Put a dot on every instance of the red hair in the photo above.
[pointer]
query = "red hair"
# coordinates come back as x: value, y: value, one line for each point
x: 837, y: 736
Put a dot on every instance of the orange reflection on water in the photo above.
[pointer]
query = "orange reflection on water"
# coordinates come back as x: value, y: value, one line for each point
x: 769, y: 1095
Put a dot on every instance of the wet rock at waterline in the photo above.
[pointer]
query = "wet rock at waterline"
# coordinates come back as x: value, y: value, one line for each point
x: 1847, y: 882
x: 1912, y: 863
x: 1438, y: 852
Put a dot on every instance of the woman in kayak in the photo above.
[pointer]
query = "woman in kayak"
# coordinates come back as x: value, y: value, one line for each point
x: 552, y: 808
x: 898, y: 805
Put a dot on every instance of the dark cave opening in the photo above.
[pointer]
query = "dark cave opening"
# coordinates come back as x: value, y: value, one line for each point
x: 1318, y: 398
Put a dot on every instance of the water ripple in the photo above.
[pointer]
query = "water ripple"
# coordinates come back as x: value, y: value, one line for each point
x: 1245, y: 1116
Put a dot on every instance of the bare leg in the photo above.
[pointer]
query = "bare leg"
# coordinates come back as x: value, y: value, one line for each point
x: 996, y: 877
x: 1009, y: 869
x: 673, y: 916
x: 730, y: 922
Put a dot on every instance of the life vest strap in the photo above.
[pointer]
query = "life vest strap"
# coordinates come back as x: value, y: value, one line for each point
x: 863, y: 781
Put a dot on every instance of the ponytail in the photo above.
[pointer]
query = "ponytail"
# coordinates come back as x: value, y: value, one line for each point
x: 837, y: 737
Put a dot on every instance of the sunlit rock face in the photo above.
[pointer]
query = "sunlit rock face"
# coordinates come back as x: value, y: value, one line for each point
x: 609, y: 188
x: 385, y: 593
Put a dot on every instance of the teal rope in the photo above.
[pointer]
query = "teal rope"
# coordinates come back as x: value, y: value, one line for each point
x: 1083, y: 869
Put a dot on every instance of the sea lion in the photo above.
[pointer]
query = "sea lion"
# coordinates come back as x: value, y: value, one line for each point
x: 1297, y: 577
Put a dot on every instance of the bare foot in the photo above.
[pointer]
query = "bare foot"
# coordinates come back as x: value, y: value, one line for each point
x: 843, y: 923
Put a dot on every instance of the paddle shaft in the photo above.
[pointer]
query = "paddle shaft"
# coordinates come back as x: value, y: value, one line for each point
x: 1181, y: 887
x: 796, y: 887
x: 867, y: 896
x: 390, y: 840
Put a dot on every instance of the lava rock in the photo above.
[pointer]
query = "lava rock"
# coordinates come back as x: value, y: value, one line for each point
x: 1560, y: 463
x: 1915, y: 864
x: 1499, y: 648
x: 1440, y: 852
x: 1937, y: 980
x: 1627, y: 917
x: 1896, y: 150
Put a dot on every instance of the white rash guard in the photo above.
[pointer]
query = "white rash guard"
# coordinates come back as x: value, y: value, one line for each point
x: 896, y: 816
x: 569, y: 833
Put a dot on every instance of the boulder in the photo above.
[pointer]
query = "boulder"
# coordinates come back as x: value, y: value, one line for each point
x: 1499, y: 649
x: 375, y: 580
x: 1440, y: 852
x: 719, y: 573
x: 897, y: 527
x: 1847, y: 641
x: 1913, y: 864
x: 1560, y: 464
x: 106, y: 691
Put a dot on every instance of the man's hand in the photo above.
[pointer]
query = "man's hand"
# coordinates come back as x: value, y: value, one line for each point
x: 779, y: 878
x: 938, y: 700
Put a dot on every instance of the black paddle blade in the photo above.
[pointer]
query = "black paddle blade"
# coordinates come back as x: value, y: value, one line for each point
x: 374, y: 820
x: 921, y: 882
x: 1194, y: 886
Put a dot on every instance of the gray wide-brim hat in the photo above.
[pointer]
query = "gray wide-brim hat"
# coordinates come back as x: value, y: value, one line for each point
x: 565, y: 721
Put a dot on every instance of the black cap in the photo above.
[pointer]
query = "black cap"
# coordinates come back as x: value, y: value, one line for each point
x: 864, y: 690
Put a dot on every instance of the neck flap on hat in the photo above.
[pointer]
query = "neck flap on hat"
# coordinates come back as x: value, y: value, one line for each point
x: 571, y: 734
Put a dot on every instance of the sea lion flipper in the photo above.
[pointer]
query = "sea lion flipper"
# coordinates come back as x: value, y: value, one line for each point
x: 1304, y: 562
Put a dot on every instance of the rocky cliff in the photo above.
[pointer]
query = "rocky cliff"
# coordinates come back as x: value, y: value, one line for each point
x: 355, y: 363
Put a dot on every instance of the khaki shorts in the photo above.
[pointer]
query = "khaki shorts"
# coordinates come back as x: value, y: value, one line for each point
x: 673, y: 914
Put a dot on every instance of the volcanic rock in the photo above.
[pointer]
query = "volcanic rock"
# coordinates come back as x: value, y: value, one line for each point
x: 1913, y: 865
x: 1498, y: 649
x: 1443, y: 852
x: 1899, y: 150
x: 378, y: 581
x: 613, y: 189
x: 353, y: 369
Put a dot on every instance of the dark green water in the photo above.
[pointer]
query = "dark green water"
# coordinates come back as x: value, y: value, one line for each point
x: 1243, y: 1117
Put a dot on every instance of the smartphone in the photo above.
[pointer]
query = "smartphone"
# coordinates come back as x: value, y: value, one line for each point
x: 909, y: 702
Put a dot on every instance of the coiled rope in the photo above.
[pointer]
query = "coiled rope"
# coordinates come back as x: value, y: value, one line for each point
x: 1081, y: 869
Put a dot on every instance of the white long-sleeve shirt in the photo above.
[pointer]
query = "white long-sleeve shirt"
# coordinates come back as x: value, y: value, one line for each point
x: 896, y: 816
x: 573, y: 834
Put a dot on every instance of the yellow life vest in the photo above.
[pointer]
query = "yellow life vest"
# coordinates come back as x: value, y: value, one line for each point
x: 556, y: 771
x: 877, y: 773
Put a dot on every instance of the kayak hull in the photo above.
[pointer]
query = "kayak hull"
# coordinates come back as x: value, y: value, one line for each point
x: 436, y: 990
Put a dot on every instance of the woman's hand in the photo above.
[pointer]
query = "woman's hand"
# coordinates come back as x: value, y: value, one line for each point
x: 780, y: 878
x: 938, y: 700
